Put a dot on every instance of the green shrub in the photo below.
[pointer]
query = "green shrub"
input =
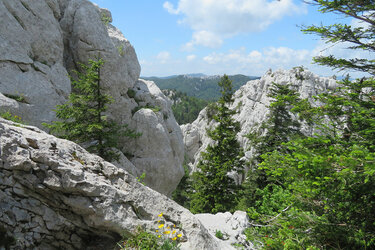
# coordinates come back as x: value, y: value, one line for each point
x: 219, y: 235
x: 164, y: 238
x: 14, y: 118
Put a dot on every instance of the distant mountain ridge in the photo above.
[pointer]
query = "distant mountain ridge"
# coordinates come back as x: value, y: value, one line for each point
x: 199, y: 85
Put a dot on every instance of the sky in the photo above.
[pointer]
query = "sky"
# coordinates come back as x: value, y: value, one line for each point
x: 216, y: 37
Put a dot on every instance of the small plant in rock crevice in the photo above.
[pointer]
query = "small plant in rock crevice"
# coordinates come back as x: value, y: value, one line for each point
x: 219, y: 235
x: 14, y: 118
x: 166, y: 237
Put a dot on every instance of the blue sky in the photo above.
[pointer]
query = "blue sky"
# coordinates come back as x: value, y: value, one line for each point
x: 222, y: 36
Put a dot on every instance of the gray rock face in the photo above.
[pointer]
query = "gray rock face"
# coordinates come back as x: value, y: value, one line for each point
x: 161, y: 141
x: 42, y: 41
x: 252, y: 102
x: 55, y: 195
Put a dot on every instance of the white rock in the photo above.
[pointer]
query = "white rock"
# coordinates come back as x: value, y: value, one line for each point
x: 41, y: 41
x: 160, y: 145
x: 93, y: 200
x: 231, y: 226
x: 252, y: 102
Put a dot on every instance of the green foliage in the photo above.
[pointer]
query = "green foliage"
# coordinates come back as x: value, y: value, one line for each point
x: 219, y: 234
x: 185, y: 108
x: 19, y: 98
x: 14, y: 118
x: 141, y: 178
x: 153, y: 108
x: 82, y: 118
x: 121, y: 50
x: 326, y: 196
x: 214, y: 191
x: 183, y: 191
x: 165, y: 237
x: 141, y: 240
x: 200, y: 87
x: 360, y: 38
x: 105, y: 19
x: 280, y: 126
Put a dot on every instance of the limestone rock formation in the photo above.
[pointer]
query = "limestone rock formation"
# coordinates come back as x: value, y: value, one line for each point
x: 231, y: 226
x: 252, y: 101
x: 42, y: 41
x: 55, y: 195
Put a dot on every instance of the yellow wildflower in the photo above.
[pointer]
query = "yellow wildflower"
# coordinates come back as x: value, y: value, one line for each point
x: 160, y: 215
x: 174, y: 231
x: 161, y: 225
x: 159, y: 236
x: 168, y: 227
x: 167, y: 232
x: 175, y: 238
x: 179, y: 235
x: 156, y: 230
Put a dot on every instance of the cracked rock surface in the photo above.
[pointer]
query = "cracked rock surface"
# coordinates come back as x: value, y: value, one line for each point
x: 55, y: 195
x: 43, y: 41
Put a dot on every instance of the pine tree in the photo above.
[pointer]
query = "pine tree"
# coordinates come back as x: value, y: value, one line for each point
x: 214, y: 190
x: 279, y: 127
x: 83, y: 119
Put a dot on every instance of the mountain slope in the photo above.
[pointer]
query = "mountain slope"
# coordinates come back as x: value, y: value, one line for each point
x: 203, y: 87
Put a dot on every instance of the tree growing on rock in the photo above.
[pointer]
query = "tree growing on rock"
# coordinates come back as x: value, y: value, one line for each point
x: 83, y: 119
x: 280, y: 127
x: 214, y: 190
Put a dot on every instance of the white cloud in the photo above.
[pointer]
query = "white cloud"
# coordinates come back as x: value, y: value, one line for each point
x: 163, y: 57
x: 190, y: 58
x: 204, y: 38
x: 226, y: 18
x: 169, y: 7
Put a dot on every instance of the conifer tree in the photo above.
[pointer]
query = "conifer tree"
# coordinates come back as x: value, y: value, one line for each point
x: 83, y: 119
x: 214, y: 190
x: 328, y: 178
x: 280, y: 125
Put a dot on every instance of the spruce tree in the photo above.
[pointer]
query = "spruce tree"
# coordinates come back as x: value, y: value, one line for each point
x: 279, y: 127
x: 214, y: 190
x: 83, y: 119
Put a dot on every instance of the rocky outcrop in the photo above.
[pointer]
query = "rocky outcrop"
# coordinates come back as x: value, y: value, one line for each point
x: 55, y: 195
x: 230, y: 226
x: 42, y: 41
x: 252, y: 101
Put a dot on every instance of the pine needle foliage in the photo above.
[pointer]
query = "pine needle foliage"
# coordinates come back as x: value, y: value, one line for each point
x: 327, y: 196
x: 214, y: 190
x: 83, y: 119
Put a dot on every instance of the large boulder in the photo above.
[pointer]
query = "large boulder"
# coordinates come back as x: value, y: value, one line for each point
x: 252, y: 102
x: 43, y: 41
x: 55, y: 195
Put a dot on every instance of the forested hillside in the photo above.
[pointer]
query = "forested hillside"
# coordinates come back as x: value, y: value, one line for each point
x: 185, y: 108
x: 203, y: 87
